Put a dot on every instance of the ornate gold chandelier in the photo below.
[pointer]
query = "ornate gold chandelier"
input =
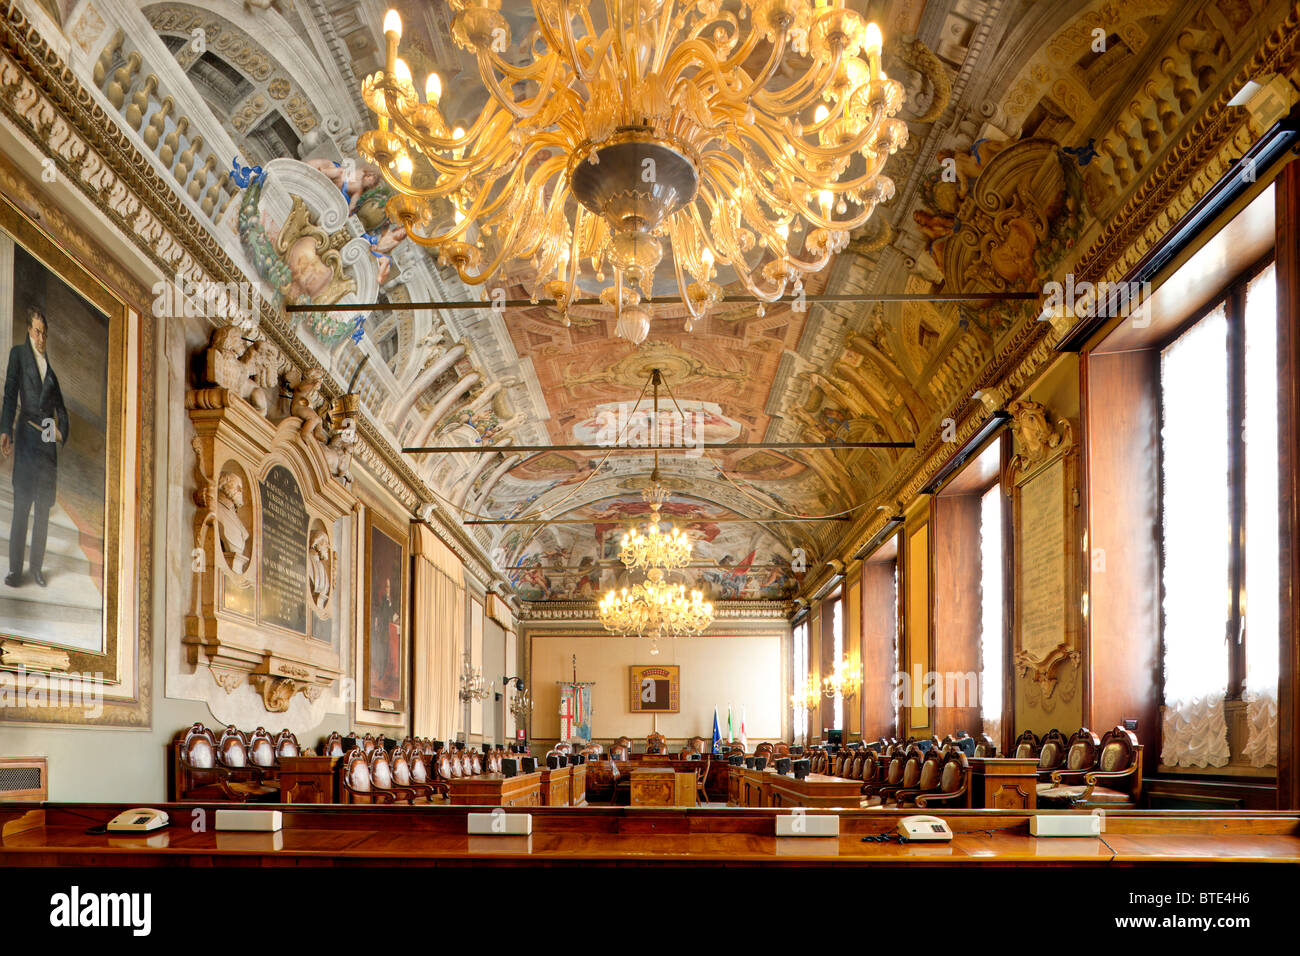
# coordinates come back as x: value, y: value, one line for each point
x: 656, y: 608
x: 668, y: 550
x: 640, y: 121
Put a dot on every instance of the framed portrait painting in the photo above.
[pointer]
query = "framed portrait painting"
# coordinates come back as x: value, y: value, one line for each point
x: 70, y: 508
x: 384, y: 636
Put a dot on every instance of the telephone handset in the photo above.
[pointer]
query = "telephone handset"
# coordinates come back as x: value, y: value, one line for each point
x: 918, y: 829
x: 139, y: 820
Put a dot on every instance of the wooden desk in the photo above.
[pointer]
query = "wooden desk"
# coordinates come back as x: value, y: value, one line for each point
x: 600, y: 781
x: 55, y: 835
x: 653, y: 788
x: 309, y: 779
x: 496, y: 790
x: 556, y: 785
x: 1004, y: 783
x: 578, y: 785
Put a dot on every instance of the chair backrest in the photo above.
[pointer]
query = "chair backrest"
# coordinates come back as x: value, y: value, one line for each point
x: 1119, y: 750
x: 381, y: 769
x: 619, y: 752
x: 1053, y: 750
x: 1026, y: 745
x: 687, y: 752
x: 563, y: 747
x: 232, y: 748
x: 930, y: 769
x: 419, y: 769
x: 401, y: 767
x: 368, y: 743
x: 475, y: 763
x: 1082, y: 752
x: 624, y: 742
x: 985, y: 747
x: 912, y: 766
x: 199, y: 749
x: 286, y: 744
x: 590, y: 751
x: 955, y: 768
x: 358, y: 770
x: 444, y: 766
x: 656, y: 743
x: 334, y: 745
x: 261, y: 749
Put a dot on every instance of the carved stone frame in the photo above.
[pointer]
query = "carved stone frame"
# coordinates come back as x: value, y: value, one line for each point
x: 1057, y: 451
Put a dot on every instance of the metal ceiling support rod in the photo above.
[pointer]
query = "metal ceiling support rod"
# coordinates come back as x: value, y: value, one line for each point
x: 445, y: 305
x: 723, y: 446
x: 683, y: 520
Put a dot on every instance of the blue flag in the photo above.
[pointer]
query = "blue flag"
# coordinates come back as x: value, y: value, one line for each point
x: 717, y: 737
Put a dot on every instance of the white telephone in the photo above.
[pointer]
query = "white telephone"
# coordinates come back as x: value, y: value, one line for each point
x: 139, y: 820
x: 923, y: 829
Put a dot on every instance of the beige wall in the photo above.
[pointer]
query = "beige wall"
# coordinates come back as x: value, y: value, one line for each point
x: 748, y: 671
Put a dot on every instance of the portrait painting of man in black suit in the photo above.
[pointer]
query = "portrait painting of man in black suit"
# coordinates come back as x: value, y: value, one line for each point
x: 33, y: 424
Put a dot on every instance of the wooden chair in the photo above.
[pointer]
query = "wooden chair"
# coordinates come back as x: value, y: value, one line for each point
x: 623, y: 742
x: 368, y: 743
x: 261, y: 751
x: 333, y: 746
x: 1026, y: 745
x: 197, y: 774
x: 619, y: 752
x: 368, y: 778
x: 656, y: 743
x: 702, y: 745
x: 689, y: 753
x: 590, y: 752
x: 1051, y: 754
x: 1116, y: 780
x: 985, y: 747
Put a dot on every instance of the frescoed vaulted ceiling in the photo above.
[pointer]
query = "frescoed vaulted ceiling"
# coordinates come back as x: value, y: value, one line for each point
x: 1030, y: 124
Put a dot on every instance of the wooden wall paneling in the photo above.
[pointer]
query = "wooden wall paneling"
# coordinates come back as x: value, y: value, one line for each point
x: 1122, y: 661
x: 1288, y: 292
x: 853, y: 646
x: 917, y: 571
x: 955, y: 530
x: 880, y: 661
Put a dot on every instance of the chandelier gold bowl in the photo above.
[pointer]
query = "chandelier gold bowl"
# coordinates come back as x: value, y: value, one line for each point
x: 656, y: 608
x: 639, y: 130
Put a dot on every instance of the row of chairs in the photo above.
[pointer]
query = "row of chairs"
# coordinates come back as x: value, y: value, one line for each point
x: 910, y: 776
x: 1085, y: 771
x: 413, y: 771
x: 234, y: 766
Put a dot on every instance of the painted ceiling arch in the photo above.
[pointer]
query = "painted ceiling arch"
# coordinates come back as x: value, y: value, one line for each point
x: 1030, y: 125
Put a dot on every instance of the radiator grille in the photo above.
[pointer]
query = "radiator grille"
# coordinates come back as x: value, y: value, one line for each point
x: 16, y: 779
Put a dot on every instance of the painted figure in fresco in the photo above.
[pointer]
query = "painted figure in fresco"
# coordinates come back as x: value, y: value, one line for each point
x: 33, y: 424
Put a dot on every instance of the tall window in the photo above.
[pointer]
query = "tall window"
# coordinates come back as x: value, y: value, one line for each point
x: 800, y: 672
x: 991, y: 644
x: 1220, y: 526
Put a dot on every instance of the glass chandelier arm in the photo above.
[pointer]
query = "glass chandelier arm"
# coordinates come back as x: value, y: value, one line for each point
x: 793, y: 98
x: 488, y: 61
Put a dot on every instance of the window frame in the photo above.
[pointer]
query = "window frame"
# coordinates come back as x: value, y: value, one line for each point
x: 1233, y: 299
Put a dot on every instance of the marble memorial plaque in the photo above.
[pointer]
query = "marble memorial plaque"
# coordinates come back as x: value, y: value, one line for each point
x: 283, y: 587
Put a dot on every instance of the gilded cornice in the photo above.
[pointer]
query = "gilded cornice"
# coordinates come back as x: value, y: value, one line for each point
x: 723, y: 611
x: 44, y: 99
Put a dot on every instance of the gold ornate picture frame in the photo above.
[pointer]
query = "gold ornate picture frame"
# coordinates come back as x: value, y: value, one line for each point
x: 91, y: 664
x: 383, y: 682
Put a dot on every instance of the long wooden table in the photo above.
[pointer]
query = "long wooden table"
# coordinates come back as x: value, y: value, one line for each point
x: 55, y: 835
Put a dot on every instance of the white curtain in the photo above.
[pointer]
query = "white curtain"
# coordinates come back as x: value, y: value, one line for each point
x: 1263, y: 595
x: 439, y: 635
x: 1197, y: 543
x: 991, y: 612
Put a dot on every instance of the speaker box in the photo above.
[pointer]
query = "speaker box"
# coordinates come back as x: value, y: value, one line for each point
x: 553, y: 761
x: 24, y: 778
x: 802, y: 768
x: 527, y: 764
x: 760, y: 763
x: 783, y: 765
x: 736, y: 761
x: 509, y: 766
